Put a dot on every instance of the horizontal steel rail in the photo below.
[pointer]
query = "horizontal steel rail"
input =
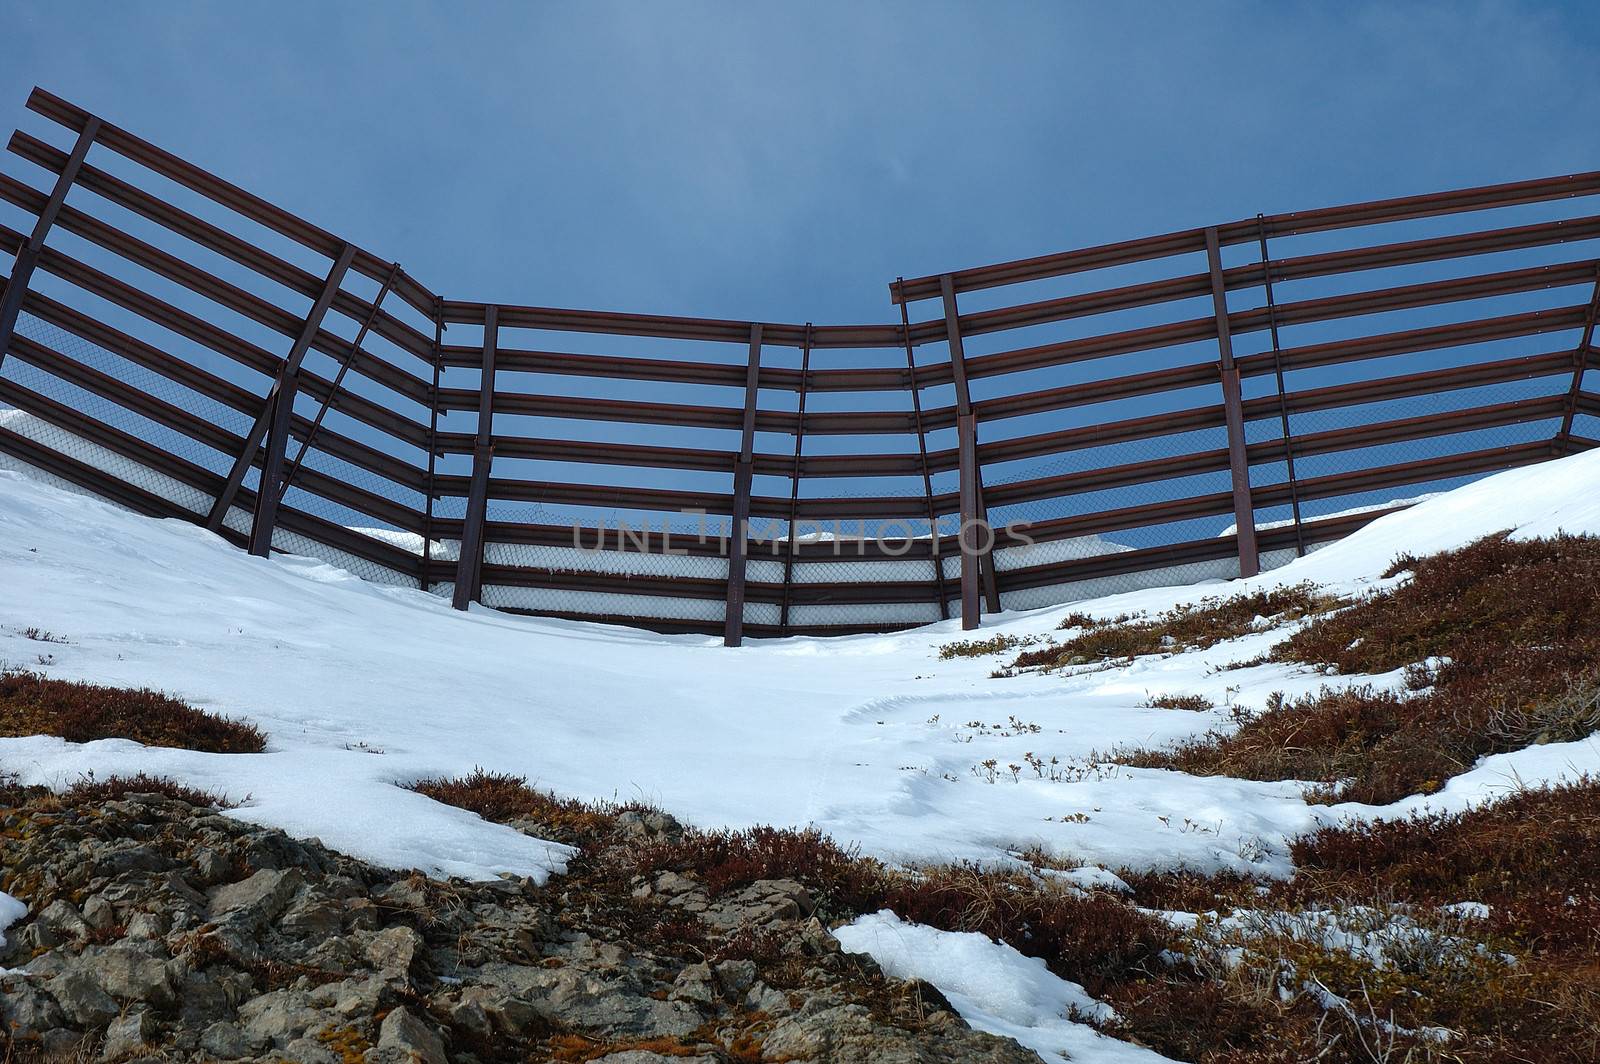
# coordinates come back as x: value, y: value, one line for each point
x: 228, y: 195
x: 1295, y: 223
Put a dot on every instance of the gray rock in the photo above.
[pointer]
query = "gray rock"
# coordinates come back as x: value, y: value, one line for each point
x: 508, y: 1014
x: 82, y: 1000
x: 34, y: 937
x: 62, y: 917
x: 404, y: 1039
x: 644, y: 1056
x: 394, y: 950
x: 128, y: 974
x: 764, y: 902
x: 225, y: 1040
x: 211, y: 867
x: 62, y: 1044
x: 259, y: 898
x: 128, y: 1035
x: 310, y: 1051
x: 736, y: 977
x: 695, y: 984
x: 146, y: 926
x: 129, y: 857
x: 26, y: 1009
x: 763, y: 998
x: 277, y: 1018
x: 312, y: 913
x: 99, y: 913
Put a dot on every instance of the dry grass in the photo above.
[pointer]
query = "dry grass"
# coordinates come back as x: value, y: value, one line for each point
x: 1191, y: 703
x: 88, y: 791
x: 504, y: 798
x: 1191, y: 627
x: 1519, y: 625
x: 32, y: 704
x: 977, y: 648
x: 1519, y: 984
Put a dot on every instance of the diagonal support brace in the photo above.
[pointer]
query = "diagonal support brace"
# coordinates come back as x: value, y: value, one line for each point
x: 469, y: 567
x: 28, y: 255
x: 274, y: 418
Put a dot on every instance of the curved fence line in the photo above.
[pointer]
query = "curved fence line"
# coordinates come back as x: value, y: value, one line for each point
x: 1196, y: 405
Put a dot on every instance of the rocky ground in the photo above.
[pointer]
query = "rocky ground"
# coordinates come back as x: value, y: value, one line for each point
x: 161, y: 930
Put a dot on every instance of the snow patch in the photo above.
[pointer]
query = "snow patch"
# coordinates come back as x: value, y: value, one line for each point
x: 994, y: 988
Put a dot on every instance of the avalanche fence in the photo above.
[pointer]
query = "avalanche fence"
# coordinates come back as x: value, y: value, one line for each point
x: 1201, y: 404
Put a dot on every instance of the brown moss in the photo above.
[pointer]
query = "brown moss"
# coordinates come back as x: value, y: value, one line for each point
x: 33, y: 704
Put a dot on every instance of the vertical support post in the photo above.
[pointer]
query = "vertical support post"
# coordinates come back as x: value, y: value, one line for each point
x: 1283, y: 403
x: 469, y: 568
x: 922, y: 453
x: 1580, y: 362
x: 433, y: 441
x: 743, y: 473
x: 28, y: 255
x: 794, y: 481
x: 975, y: 553
x: 1244, y: 514
x: 272, y: 424
x: 967, y: 451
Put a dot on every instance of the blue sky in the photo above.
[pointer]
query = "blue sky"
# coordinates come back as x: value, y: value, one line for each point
x: 784, y: 162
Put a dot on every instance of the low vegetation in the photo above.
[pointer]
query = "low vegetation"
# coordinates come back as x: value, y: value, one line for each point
x: 1196, y: 626
x: 505, y: 798
x: 1191, y: 703
x: 1364, y: 955
x: 34, y: 704
x: 88, y: 789
x: 1480, y: 927
x: 1500, y: 641
x: 978, y: 648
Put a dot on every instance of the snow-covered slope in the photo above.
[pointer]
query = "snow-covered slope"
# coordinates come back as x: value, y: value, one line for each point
x: 871, y: 738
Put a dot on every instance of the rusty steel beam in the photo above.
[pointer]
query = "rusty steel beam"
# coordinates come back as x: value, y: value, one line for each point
x: 927, y: 473
x: 219, y: 191
x: 287, y: 376
x: 975, y: 550
x: 971, y: 610
x: 681, y: 371
x: 199, y: 281
x: 1283, y: 406
x: 212, y: 387
x: 214, y: 238
x: 743, y: 473
x: 1195, y: 286
x: 27, y: 256
x: 1294, y: 223
x: 469, y: 565
x: 274, y: 422
x: 1244, y: 513
x: 428, y: 495
x: 1580, y: 359
x: 209, y: 335
x: 672, y: 327
x: 310, y: 435
x: 793, y: 542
